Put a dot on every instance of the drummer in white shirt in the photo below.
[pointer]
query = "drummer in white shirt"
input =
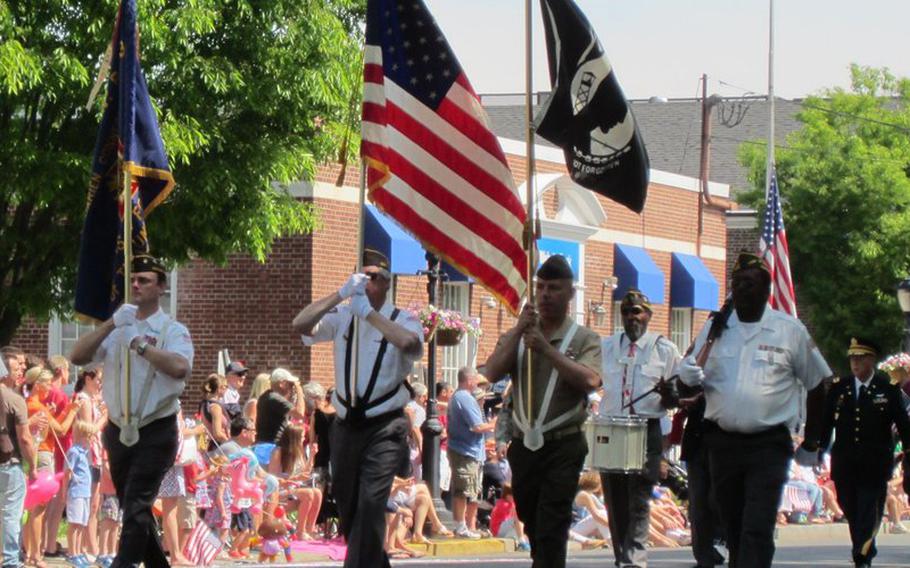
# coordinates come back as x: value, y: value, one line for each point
x: 634, y: 361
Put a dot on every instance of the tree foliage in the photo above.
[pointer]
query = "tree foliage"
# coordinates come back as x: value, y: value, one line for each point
x: 250, y: 96
x: 844, y: 182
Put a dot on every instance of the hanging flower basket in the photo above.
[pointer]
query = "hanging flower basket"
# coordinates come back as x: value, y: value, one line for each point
x: 897, y: 366
x: 448, y: 337
x: 447, y: 326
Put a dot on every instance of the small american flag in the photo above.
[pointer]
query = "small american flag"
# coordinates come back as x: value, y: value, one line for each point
x: 776, y: 253
x: 202, y: 545
x: 433, y: 163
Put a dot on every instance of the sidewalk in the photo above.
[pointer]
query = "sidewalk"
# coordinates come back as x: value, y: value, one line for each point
x: 451, y: 547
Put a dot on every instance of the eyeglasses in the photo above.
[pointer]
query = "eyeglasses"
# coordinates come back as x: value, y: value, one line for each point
x: 373, y: 275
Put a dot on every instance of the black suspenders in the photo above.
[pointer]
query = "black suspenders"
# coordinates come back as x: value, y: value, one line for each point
x: 358, y: 412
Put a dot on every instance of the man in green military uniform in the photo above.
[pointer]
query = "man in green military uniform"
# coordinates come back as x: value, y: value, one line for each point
x: 546, y: 445
x: 861, y: 410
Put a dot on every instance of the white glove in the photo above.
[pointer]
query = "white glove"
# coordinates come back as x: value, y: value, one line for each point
x: 806, y: 458
x: 360, y: 306
x: 356, y: 284
x: 125, y: 315
x: 127, y: 334
x: 689, y: 371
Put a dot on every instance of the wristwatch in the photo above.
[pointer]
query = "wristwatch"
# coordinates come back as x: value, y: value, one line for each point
x: 140, y: 349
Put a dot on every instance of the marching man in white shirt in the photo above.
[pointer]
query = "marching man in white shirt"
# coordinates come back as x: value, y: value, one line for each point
x: 369, y: 438
x: 752, y: 378
x: 634, y: 361
x: 142, y: 449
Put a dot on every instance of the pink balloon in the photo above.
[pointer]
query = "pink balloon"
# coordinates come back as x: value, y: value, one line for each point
x: 43, y: 489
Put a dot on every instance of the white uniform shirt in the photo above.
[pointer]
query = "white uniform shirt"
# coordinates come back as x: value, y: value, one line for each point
x: 754, y: 372
x: 395, y: 365
x: 231, y: 396
x: 655, y: 357
x: 165, y: 389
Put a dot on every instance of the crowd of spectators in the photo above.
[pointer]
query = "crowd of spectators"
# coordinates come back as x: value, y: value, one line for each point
x: 276, y: 441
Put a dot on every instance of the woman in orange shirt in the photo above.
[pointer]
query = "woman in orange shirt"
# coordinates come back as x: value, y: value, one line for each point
x: 58, y: 424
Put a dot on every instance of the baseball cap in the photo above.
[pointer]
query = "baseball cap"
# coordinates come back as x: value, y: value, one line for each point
x: 280, y: 375
x: 235, y: 368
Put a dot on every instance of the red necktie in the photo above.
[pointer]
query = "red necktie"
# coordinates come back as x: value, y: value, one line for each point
x: 627, y: 389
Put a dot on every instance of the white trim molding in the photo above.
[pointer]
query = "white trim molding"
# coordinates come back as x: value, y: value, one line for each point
x: 556, y: 156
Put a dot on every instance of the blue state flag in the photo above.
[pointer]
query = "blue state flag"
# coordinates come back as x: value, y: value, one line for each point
x: 129, y: 144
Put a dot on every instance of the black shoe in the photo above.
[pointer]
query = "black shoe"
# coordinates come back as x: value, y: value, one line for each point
x: 61, y: 552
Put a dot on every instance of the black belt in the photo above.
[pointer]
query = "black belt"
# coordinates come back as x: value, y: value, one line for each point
x: 554, y: 435
x: 372, y: 420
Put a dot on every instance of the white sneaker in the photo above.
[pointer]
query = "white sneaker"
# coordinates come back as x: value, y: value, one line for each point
x: 465, y: 532
x: 898, y: 528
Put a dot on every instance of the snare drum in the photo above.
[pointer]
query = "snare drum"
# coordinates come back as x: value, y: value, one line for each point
x: 617, y: 443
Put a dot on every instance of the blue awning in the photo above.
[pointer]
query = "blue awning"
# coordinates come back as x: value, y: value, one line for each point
x: 405, y: 253
x: 691, y: 284
x: 634, y: 268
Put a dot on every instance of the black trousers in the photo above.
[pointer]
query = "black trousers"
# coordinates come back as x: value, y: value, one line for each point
x: 703, y: 517
x: 544, y: 484
x: 137, y: 472
x: 862, y: 496
x: 748, y: 472
x: 365, y: 458
x: 628, y: 500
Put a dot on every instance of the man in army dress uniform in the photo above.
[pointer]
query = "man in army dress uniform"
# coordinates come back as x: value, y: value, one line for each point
x: 860, y: 410
x: 546, y: 446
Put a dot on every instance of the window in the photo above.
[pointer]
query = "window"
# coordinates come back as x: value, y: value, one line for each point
x: 455, y: 296
x: 681, y: 328
x: 617, y: 318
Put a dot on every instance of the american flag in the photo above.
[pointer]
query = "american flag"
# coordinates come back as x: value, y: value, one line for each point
x: 776, y: 253
x: 202, y: 545
x: 433, y: 163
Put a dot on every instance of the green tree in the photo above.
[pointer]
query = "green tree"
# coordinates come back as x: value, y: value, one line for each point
x: 844, y: 183
x: 250, y: 96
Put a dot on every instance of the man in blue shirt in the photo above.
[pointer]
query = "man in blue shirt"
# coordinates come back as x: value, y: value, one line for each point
x: 465, y: 452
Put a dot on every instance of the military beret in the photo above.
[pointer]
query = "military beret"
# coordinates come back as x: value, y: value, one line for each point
x: 147, y: 263
x: 556, y: 267
x: 749, y: 260
x: 372, y: 257
x: 635, y: 298
x: 862, y: 346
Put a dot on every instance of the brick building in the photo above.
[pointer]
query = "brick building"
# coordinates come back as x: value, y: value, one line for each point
x: 247, y: 307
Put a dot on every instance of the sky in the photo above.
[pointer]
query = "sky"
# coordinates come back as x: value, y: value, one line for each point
x: 662, y: 47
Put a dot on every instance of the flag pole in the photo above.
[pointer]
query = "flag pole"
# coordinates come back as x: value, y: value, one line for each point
x: 355, y: 360
x: 769, y: 167
x: 127, y: 281
x: 531, y: 225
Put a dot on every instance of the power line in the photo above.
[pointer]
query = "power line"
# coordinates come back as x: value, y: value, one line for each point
x: 689, y: 131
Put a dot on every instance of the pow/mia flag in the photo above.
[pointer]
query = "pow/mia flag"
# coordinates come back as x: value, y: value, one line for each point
x: 587, y: 114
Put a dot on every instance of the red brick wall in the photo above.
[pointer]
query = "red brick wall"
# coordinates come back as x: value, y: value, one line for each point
x: 32, y: 337
x: 247, y: 308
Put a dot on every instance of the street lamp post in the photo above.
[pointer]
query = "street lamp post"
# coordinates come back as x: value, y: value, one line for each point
x: 903, y: 298
x: 432, y: 427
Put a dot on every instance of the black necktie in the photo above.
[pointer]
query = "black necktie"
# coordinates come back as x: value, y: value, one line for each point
x: 862, y: 392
